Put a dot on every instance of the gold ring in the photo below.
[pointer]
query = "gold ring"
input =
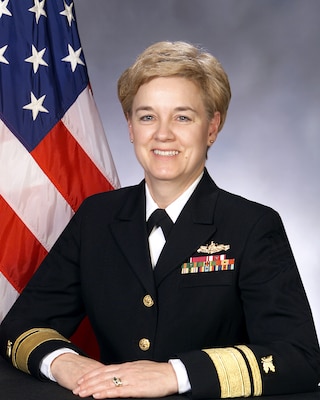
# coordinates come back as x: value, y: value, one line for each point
x: 117, y: 381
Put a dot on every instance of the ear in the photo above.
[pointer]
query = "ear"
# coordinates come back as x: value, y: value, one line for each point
x: 213, y: 128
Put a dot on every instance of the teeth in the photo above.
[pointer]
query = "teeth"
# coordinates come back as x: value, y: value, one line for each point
x: 166, y: 153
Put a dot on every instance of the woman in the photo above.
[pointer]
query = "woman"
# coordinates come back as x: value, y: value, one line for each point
x: 211, y: 303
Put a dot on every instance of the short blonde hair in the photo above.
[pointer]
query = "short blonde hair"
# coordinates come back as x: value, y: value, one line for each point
x: 166, y: 59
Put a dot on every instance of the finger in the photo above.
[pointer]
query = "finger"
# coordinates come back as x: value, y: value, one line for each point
x: 107, y: 370
x: 100, y: 391
x: 99, y: 382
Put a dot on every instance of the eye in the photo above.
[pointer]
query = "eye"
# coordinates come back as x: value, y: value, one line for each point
x: 183, y: 118
x: 146, y: 118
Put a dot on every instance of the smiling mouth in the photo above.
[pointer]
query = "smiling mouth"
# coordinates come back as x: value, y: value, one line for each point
x: 168, y: 153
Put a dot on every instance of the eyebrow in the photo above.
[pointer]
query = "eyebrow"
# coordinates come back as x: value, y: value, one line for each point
x: 143, y: 108
x: 181, y: 108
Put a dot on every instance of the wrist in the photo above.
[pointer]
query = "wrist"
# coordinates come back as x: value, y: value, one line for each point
x: 47, y: 362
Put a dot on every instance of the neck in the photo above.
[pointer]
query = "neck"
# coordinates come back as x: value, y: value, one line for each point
x: 163, y: 195
x: 166, y: 192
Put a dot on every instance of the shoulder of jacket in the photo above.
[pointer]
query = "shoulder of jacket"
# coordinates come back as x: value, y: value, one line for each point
x: 112, y: 195
x: 235, y: 203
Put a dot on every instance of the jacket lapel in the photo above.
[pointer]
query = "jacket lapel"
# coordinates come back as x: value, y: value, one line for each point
x: 194, y: 227
x: 130, y: 234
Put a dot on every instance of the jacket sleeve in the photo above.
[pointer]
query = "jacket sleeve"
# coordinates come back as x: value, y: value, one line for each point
x: 282, y: 354
x: 37, y: 324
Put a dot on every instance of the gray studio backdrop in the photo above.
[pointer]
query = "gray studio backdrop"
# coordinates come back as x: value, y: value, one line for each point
x: 268, y: 150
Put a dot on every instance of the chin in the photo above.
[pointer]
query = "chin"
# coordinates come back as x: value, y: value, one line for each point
x: 164, y: 176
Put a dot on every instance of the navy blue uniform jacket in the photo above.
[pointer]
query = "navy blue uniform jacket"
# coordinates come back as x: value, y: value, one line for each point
x: 240, y: 322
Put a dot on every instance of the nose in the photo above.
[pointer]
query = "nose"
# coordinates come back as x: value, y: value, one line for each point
x: 164, y: 131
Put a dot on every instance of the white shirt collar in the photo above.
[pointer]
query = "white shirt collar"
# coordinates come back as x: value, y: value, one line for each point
x: 174, y: 209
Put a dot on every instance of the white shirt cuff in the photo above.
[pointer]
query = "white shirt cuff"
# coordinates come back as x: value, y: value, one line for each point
x: 45, y: 364
x: 182, y: 375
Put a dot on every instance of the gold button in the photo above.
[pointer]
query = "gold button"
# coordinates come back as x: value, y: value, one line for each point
x: 148, y: 301
x: 144, y: 344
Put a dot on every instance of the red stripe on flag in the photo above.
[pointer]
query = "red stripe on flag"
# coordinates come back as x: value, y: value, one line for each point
x: 20, y: 252
x: 68, y: 166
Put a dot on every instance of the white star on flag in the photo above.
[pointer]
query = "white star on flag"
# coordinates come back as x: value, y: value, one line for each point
x: 2, y: 58
x: 68, y: 12
x: 36, y: 58
x: 38, y: 9
x: 4, y: 8
x: 36, y: 106
x: 73, y: 58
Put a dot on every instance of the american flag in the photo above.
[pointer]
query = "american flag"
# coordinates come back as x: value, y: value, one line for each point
x: 53, y: 150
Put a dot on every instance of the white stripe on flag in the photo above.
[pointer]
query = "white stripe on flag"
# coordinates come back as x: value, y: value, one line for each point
x: 83, y: 122
x: 8, y: 295
x: 29, y: 192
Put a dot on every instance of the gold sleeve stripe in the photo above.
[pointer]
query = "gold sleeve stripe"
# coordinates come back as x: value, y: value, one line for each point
x: 29, y: 341
x: 255, y: 370
x: 232, y: 372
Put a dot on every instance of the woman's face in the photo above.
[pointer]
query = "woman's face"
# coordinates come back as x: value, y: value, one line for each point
x: 171, y: 131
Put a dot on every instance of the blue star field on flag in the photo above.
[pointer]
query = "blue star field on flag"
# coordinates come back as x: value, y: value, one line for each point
x: 42, y: 68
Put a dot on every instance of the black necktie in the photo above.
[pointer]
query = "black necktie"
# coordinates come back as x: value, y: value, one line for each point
x: 160, y: 218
